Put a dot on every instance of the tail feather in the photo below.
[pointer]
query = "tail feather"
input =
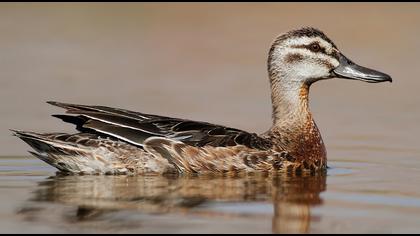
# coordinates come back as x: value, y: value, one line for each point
x: 79, y: 153
x: 44, y: 143
x: 65, y: 156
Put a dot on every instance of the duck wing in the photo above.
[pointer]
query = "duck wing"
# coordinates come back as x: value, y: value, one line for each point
x: 135, y: 127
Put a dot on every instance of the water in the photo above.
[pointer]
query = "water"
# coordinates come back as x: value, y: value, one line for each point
x: 207, y: 62
x: 347, y: 199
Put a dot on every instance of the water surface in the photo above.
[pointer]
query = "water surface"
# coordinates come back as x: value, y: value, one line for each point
x: 350, y: 198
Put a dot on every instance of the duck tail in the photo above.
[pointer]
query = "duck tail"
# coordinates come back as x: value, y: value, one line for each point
x: 61, y: 155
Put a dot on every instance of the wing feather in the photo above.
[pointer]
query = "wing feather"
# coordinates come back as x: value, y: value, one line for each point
x: 135, y: 127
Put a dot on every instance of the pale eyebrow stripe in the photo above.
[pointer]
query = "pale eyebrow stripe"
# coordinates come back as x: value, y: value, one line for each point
x: 305, y: 40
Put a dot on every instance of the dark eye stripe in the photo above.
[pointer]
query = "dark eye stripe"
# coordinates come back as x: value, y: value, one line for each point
x: 321, y: 50
x: 309, y: 47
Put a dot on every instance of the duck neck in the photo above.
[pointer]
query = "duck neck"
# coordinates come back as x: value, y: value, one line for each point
x: 293, y: 125
x: 290, y: 105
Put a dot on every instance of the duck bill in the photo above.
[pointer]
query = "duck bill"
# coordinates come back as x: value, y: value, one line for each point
x: 349, y: 70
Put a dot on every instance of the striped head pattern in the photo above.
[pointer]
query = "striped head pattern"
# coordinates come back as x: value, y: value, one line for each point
x: 306, y: 55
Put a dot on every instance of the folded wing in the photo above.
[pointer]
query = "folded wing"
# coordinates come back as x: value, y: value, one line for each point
x: 135, y: 127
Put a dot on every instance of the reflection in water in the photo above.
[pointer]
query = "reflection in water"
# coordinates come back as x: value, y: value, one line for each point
x: 96, y: 196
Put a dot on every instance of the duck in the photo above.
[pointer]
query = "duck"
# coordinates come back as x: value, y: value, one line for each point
x: 119, y: 141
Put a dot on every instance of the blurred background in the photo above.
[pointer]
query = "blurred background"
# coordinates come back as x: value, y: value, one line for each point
x: 207, y: 61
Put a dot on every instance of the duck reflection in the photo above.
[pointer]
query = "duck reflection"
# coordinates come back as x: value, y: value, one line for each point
x: 291, y: 196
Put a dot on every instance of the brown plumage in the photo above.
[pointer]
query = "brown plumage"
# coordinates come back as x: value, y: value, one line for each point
x: 118, y: 141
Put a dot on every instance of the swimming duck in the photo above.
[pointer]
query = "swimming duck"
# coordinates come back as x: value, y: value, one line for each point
x: 119, y: 141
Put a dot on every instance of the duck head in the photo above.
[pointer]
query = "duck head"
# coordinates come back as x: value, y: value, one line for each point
x: 307, y: 55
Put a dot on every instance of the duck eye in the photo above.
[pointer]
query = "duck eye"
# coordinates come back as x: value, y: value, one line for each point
x: 315, y: 47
